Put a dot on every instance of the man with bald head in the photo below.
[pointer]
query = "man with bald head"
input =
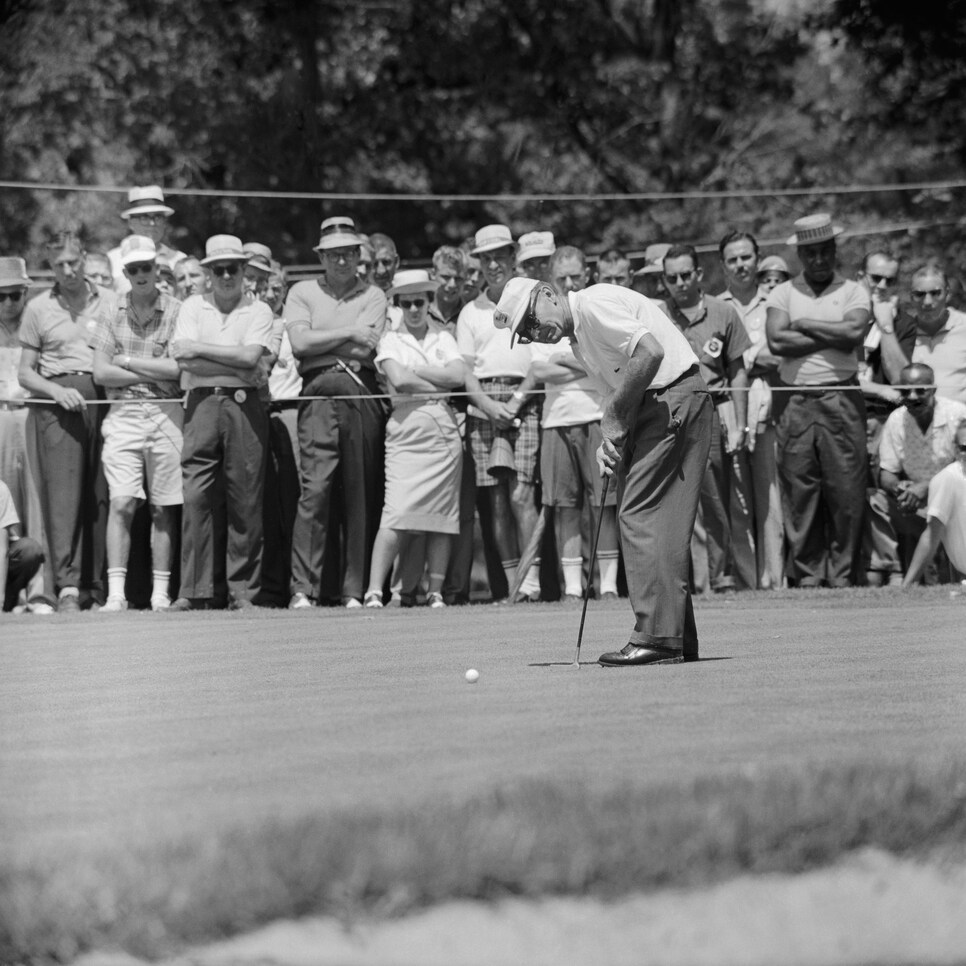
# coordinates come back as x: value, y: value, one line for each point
x: 940, y: 331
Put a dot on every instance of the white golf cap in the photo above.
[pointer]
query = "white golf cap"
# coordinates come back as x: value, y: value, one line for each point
x: 512, y: 307
x: 535, y: 244
x: 138, y: 248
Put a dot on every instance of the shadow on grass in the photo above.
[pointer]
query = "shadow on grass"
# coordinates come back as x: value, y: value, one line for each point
x: 530, y: 840
x: 570, y: 664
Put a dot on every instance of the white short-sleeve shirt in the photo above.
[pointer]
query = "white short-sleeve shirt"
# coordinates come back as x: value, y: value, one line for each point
x: 567, y: 403
x: 947, y: 503
x: 609, y: 321
x: 945, y: 352
x: 249, y: 323
x: 437, y: 348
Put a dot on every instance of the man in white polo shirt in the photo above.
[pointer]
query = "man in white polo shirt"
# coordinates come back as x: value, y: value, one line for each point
x: 219, y: 340
x: 815, y: 323
x: 656, y: 439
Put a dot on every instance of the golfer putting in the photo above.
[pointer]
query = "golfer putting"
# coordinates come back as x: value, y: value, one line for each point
x: 657, y: 435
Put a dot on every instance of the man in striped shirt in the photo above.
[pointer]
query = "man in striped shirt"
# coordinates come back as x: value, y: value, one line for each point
x: 142, y: 436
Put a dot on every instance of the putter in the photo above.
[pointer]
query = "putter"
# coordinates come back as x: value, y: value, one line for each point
x: 590, y: 575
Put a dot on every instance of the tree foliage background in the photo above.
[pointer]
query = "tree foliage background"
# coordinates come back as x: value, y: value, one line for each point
x: 481, y: 97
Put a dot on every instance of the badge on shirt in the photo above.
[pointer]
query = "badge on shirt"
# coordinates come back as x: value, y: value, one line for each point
x: 240, y: 396
x: 713, y: 347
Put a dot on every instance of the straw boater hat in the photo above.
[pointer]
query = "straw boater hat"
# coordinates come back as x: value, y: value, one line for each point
x: 813, y: 230
x: 138, y: 248
x: 148, y: 200
x: 224, y: 248
x: 260, y: 256
x: 412, y: 281
x: 535, y: 244
x: 13, y: 273
x: 491, y: 237
x: 773, y: 263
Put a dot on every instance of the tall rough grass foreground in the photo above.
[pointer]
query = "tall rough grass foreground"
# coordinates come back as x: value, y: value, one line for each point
x: 528, y: 840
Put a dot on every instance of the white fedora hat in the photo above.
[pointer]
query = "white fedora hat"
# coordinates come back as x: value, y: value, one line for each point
x: 412, y: 281
x: 148, y: 200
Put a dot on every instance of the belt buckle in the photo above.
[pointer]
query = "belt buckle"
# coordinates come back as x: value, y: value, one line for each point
x: 240, y: 396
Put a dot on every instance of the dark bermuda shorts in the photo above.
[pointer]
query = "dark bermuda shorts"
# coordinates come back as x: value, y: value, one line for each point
x: 568, y: 466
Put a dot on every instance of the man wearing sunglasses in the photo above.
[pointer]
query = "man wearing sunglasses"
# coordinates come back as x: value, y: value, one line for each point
x: 815, y: 323
x: 219, y: 340
x: 945, y: 515
x: 940, y: 331
x: 656, y: 434
x: 142, y: 438
x: 917, y: 441
x: 719, y: 340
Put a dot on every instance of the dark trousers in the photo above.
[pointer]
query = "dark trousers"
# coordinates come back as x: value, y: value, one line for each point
x: 24, y: 557
x: 715, y: 500
x: 822, y: 470
x: 341, y: 444
x: 281, y: 503
x: 223, y: 462
x: 659, y: 486
x: 73, y: 490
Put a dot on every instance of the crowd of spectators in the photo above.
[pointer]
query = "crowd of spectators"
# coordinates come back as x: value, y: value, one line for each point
x: 199, y: 434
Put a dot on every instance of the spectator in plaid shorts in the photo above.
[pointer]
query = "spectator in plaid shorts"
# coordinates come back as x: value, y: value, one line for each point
x: 503, y: 421
x: 142, y: 439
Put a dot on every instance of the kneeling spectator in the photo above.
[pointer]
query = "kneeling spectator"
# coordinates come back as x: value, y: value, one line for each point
x: 424, y: 452
x: 20, y: 557
x: 917, y: 441
x: 945, y: 515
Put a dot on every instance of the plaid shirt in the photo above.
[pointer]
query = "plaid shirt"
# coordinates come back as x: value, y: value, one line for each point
x: 121, y: 334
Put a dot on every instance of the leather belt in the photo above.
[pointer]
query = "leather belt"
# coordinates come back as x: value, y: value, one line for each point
x: 236, y: 393
x: 351, y: 364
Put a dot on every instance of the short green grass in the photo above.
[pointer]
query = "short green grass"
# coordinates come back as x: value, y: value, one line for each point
x: 523, y: 840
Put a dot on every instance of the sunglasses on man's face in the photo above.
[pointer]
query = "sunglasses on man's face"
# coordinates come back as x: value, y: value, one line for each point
x: 230, y: 269
x: 906, y: 393
x: 13, y: 296
x: 683, y: 277
x: 879, y: 279
x: 141, y: 268
x: 412, y: 303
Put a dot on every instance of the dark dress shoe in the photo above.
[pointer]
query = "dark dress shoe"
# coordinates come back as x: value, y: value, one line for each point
x: 631, y: 655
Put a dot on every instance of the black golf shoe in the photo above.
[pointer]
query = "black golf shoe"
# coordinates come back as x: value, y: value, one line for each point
x: 632, y: 655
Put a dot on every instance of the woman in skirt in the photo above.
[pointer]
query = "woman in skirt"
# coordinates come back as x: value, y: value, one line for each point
x: 424, y: 453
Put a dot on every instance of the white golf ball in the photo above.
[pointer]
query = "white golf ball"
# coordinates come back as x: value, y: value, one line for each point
x: 472, y: 676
